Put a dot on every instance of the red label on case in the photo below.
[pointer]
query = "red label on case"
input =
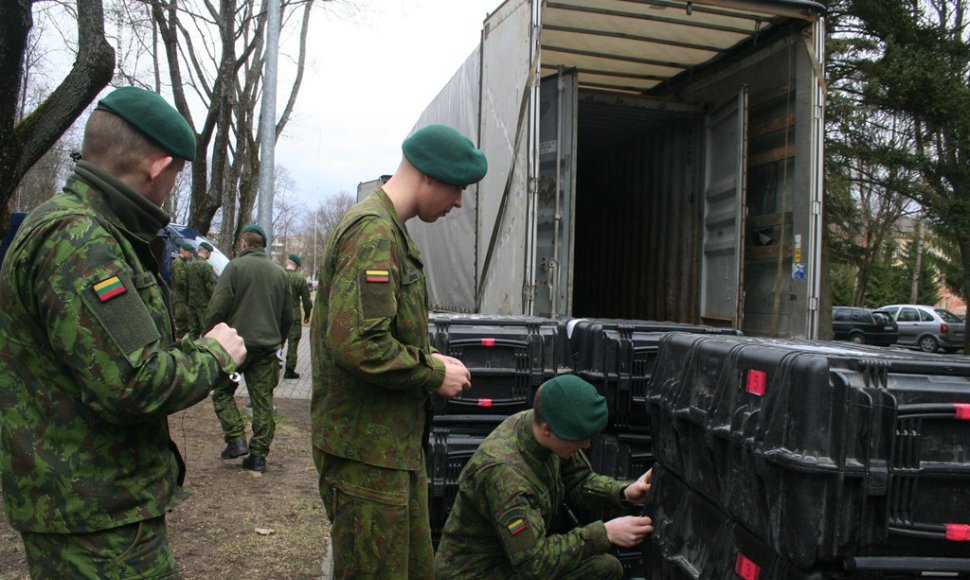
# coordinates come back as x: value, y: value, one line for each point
x: 756, y: 382
x: 746, y: 569
x: 484, y: 402
x: 957, y: 532
x: 962, y: 411
x: 488, y: 342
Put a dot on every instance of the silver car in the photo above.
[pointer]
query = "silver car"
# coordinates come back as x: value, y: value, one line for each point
x: 927, y: 327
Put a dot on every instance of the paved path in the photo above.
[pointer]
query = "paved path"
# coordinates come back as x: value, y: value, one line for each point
x: 292, y: 388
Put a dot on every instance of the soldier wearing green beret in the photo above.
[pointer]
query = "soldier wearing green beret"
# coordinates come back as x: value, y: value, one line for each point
x: 301, y: 293
x: 180, y: 290
x: 252, y: 295
x: 512, y: 488
x: 373, y: 366
x: 201, y: 284
x: 89, y: 365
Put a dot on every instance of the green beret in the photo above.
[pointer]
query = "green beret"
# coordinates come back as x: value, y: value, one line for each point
x: 206, y: 246
x: 444, y: 154
x: 255, y: 228
x: 154, y: 118
x: 187, y: 246
x: 573, y: 408
x: 295, y: 259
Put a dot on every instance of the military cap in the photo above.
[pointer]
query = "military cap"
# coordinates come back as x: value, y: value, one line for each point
x: 187, y: 246
x: 206, y: 246
x: 154, y: 118
x: 573, y: 408
x: 255, y: 228
x: 443, y: 153
x: 295, y: 259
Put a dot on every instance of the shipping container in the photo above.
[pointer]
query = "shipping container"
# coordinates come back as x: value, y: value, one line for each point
x: 648, y: 159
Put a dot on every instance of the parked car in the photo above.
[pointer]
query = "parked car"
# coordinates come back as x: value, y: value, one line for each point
x: 863, y: 326
x: 174, y: 235
x: 927, y: 328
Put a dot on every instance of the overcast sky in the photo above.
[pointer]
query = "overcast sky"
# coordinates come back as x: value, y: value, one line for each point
x: 370, y: 74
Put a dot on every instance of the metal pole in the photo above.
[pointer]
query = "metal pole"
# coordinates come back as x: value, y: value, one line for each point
x: 267, y: 123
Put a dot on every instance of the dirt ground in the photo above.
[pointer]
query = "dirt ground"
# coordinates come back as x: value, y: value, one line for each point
x: 236, y: 523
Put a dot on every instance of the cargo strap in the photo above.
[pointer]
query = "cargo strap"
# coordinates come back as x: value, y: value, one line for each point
x: 500, y: 217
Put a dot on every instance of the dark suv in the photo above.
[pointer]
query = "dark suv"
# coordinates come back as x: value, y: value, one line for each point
x: 864, y: 326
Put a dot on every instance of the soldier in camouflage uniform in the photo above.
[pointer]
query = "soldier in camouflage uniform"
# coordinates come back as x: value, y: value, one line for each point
x: 373, y: 366
x: 202, y: 281
x: 511, y: 489
x: 301, y: 293
x: 180, y: 289
x: 252, y: 295
x: 89, y: 368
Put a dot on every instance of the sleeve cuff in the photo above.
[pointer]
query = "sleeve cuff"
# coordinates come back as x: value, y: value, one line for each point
x: 437, y: 375
x: 212, y: 346
x: 597, y: 542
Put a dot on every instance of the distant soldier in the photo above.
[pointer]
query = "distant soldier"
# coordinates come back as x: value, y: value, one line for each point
x: 202, y: 282
x: 373, y: 366
x: 514, y: 484
x: 180, y: 289
x: 89, y: 365
x: 253, y: 295
x: 301, y: 293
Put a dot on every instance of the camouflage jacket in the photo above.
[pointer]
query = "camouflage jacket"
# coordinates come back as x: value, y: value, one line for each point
x: 253, y: 296
x: 88, y: 369
x: 372, y: 365
x: 508, y: 496
x: 180, y: 284
x: 201, y: 283
x: 300, y: 293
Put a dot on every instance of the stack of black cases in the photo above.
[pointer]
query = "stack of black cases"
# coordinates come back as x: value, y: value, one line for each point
x: 787, y: 459
x: 510, y: 357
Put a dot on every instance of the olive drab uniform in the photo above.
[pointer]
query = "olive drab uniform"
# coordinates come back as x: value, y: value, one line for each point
x: 301, y: 293
x: 372, y: 376
x: 252, y: 296
x: 89, y: 373
x: 180, y: 296
x: 508, y: 496
x: 202, y: 281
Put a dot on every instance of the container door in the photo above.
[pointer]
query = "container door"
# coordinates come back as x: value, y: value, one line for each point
x: 722, y: 259
x: 554, y: 211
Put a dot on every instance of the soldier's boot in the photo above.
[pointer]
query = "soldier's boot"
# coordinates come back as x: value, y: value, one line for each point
x: 255, y: 463
x: 235, y: 448
x: 291, y: 373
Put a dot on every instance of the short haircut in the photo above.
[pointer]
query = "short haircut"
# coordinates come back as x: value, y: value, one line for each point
x: 253, y: 240
x: 112, y: 143
x: 537, y: 416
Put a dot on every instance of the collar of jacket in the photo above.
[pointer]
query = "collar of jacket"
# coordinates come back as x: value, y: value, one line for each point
x: 124, y: 207
x: 254, y: 251
x: 391, y: 211
x: 536, y: 455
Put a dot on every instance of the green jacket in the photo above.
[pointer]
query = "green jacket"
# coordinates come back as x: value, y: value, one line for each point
x: 180, y: 285
x: 372, y: 365
x: 253, y: 296
x: 508, y: 496
x: 201, y: 283
x: 300, y: 293
x: 88, y: 368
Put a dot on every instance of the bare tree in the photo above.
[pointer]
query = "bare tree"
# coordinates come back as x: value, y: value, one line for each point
x: 25, y: 140
x: 319, y: 224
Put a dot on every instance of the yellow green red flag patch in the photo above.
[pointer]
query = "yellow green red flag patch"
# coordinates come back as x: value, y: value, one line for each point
x: 109, y: 288
x: 378, y: 276
x: 517, y: 525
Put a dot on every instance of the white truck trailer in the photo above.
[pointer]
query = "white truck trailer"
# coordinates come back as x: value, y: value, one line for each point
x: 648, y: 159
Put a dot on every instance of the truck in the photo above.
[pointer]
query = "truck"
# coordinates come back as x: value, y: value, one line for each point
x: 648, y: 159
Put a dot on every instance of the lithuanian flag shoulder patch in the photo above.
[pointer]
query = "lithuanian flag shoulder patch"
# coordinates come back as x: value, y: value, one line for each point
x: 109, y: 288
x: 517, y: 525
x: 378, y: 276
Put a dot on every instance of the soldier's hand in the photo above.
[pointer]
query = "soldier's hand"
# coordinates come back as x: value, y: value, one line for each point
x: 457, y: 377
x: 230, y: 340
x: 636, y: 492
x: 628, y: 531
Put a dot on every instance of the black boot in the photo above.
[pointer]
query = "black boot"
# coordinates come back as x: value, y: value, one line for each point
x: 255, y: 463
x: 235, y: 448
x: 291, y: 374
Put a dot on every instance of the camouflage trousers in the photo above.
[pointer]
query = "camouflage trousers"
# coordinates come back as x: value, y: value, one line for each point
x: 293, y: 342
x: 197, y: 320
x: 378, y: 520
x: 138, y: 550
x: 183, y: 321
x: 262, y: 373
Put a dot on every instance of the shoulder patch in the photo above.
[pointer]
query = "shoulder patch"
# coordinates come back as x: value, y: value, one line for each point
x: 516, y: 525
x: 109, y: 288
x: 378, y: 276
